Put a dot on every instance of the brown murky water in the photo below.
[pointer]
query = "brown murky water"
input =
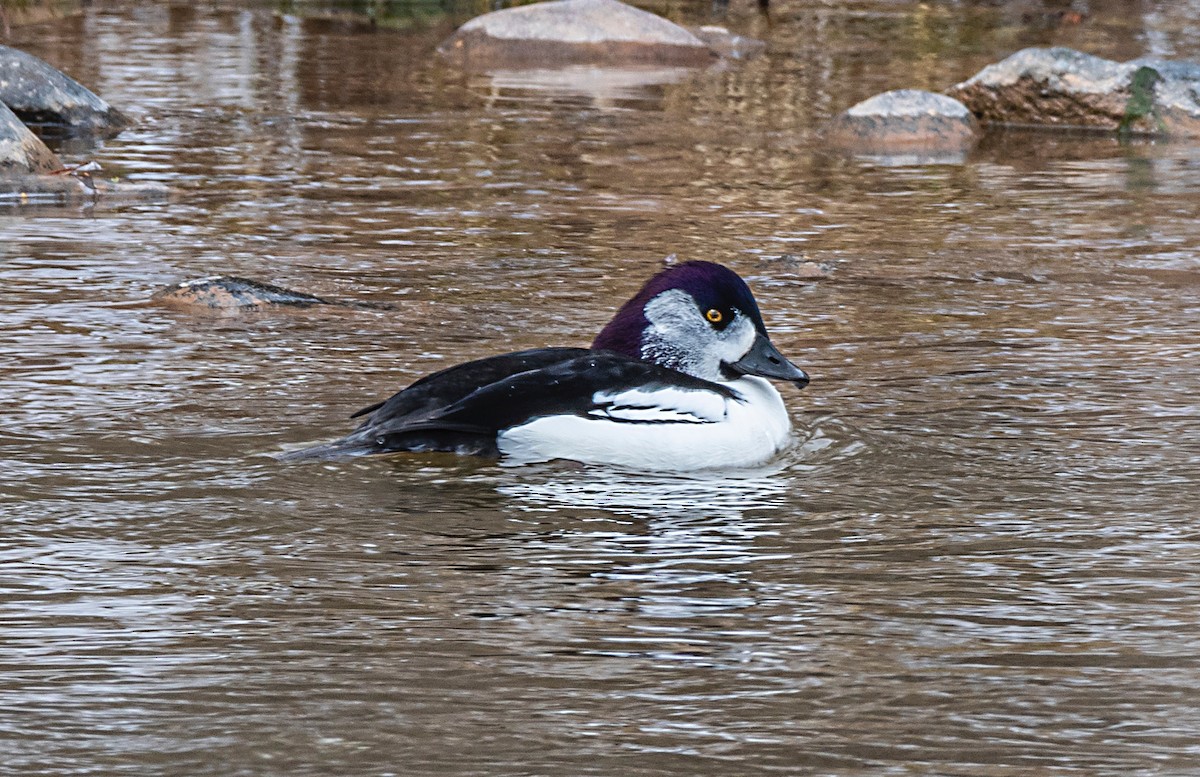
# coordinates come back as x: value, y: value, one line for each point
x: 981, y: 557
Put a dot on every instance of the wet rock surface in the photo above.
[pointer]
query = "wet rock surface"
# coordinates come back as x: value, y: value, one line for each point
x: 22, y: 152
x: 41, y: 94
x: 571, y: 32
x: 1061, y: 87
x: 907, y: 121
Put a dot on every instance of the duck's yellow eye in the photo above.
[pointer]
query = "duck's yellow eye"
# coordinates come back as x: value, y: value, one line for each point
x: 714, y: 315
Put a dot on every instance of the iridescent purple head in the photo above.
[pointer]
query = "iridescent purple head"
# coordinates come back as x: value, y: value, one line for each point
x: 699, y: 318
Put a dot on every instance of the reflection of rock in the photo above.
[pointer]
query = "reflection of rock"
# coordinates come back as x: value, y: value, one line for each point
x: 906, y: 122
x: 227, y: 292
x: 566, y: 32
x: 40, y: 94
x: 603, y: 85
x: 22, y: 152
x: 17, y: 14
x: 1061, y: 87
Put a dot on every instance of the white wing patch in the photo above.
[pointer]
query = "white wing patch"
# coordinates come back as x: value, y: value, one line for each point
x: 661, y: 406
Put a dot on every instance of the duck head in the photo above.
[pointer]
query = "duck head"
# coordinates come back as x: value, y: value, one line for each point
x: 699, y: 318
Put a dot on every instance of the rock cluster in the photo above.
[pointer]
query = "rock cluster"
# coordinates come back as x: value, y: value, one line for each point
x: 34, y: 92
x: 1036, y: 87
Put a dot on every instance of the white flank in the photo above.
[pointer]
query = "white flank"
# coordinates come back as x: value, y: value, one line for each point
x: 705, y: 431
x: 666, y: 405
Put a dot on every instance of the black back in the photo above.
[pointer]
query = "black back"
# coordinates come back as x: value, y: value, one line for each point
x: 445, y: 387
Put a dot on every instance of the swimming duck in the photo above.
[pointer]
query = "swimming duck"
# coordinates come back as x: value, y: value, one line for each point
x: 675, y: 381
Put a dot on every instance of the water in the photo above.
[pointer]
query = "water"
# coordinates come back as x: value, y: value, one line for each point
x: 979, y: 558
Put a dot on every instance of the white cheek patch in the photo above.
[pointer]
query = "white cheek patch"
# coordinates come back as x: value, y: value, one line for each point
x: 675, y: 315
x: 665, y: 405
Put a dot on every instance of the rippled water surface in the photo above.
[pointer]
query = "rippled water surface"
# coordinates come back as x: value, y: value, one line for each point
x: 980, y: 557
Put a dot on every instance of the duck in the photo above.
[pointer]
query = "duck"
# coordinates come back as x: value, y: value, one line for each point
x: 678, y: 380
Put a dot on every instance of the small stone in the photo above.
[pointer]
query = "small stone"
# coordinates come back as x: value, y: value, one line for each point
x: 907, y: 121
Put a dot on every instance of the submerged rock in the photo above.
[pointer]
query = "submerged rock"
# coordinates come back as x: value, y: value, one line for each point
x: 21, y: 152
x: 55, y: 184
x: 573, y: 32
x: 798, y: 267
x: 40, y: 94
x: 229, y: 292
x: 1061, y: 87
x: 905, y: 121
x: 728, y: 45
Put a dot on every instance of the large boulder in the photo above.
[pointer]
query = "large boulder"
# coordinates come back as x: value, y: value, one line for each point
x: 1061, y: 87
x: 22, y: 152
x: 573, y: 32
x: 41, y: 94
x: 906, y: 122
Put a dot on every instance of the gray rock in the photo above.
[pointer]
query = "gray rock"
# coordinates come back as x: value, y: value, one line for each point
x: 1061, y: 87
x: 910, y: 122
x: 22, y: 152
x: 41, y: 94
x: 572, y: 32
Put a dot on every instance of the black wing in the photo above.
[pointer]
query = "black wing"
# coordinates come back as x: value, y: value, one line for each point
x: 575, y: 386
